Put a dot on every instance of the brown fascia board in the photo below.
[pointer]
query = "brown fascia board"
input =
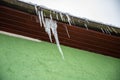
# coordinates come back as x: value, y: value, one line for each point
x: 20, y: 18
x: 29, y: 8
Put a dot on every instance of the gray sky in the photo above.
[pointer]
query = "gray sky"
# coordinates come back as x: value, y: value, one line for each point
x: 105, y: 11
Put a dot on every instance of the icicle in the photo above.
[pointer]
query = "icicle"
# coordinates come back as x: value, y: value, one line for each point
x: 52, y: 25
x: 73, y: 20
x: 114, y: 30
x: 39, y: 16
x: 54, y: 31
x: 67, y: 31
x: 87, y: 21
x: 108, y: 31
x: 50, y: 15
x: 102, y: 30
x: 61, y: 16
x: 57, y: 16
x: 36, y: 9
x: 47, y: 29
x: 78, y: 21
x: 37, y: 13
x: 86, y: 26
x: 53, y: 12
x: 42, y: 18
x: 68, y: 18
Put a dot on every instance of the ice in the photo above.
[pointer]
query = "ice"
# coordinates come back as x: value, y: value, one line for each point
x: 39, y: 15
x: 42, y: 17
x: 68, y: 18
x: 114, y: 30
x: 72, y: 20
x: 87, y: 20
x: 86, y: 26
x: 108, y: 31
x: 54, y: 12
x: 52, y: 25
x: 47, y: 29
x: 61, y: 16
x: 57, y: 16
x: 102, y: 30
x: 67, y: 31
x: 50, y: 15
x: 36, y: 9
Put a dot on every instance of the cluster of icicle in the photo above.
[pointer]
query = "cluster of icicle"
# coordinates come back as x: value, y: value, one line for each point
x: 50, y: 25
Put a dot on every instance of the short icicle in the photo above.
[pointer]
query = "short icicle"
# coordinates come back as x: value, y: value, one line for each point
x: 67, y: 31
x: 68, y: 18
x: 61, y: 16
x: 86, y: 26
x: 102, y: 30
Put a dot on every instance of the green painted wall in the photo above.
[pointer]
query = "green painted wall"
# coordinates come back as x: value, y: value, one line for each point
x: 27, y: 60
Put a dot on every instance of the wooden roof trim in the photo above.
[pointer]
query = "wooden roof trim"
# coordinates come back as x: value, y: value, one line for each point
x: 79, y: 22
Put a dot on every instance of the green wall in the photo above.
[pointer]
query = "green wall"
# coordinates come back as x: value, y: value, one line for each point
x: 28, y: 60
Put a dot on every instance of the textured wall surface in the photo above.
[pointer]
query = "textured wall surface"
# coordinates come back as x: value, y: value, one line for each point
x: 27, y: 60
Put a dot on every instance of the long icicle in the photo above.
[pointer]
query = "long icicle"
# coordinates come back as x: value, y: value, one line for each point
x: 54, y: 31
x: 49, y: 25
x: 42, y: 17
x: 52, y: 25
x: 39, y: 15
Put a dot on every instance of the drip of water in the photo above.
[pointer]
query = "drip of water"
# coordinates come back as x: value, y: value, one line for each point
x: 52, y: 25
x: 61, y: 16
x: 68, y: 18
